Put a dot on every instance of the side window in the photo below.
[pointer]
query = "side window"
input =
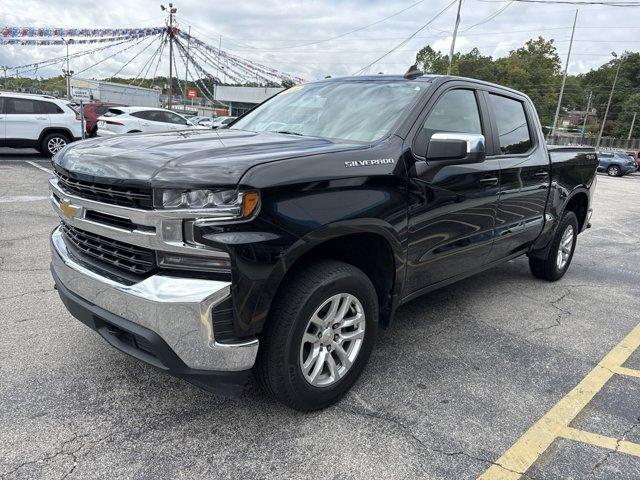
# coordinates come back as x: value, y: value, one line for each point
x: 2, y: 103
x: 456, y: 111
x: 173, y: 118
x: 22, y: 106
x: 143, y: 115
x: 513, y: 129
x: 49, y: 107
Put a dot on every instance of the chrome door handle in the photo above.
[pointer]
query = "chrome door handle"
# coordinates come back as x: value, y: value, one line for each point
x: 488, y: 181
x: 542, y: 174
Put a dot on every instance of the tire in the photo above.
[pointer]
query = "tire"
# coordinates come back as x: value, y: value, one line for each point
x: 614, y: 171
x: 554, y: 266
x: 53, y: 143
x: 283, y: 352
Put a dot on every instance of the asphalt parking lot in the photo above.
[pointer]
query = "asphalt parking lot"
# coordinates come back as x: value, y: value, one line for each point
x: 500, y: 376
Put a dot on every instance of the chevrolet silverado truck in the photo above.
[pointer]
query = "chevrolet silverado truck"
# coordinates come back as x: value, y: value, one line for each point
x: 282, y: 243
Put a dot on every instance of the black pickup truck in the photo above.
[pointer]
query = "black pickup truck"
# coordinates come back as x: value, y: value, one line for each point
x: 284, y: 242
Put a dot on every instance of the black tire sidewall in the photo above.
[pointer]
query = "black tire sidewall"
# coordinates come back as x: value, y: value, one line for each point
x: 299, y: 387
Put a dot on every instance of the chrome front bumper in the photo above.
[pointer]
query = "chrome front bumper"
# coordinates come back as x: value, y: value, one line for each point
x: 177, y: 309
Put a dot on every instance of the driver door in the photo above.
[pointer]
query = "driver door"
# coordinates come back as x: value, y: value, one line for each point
x: 453, y: 204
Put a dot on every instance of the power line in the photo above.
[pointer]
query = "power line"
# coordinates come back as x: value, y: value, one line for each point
x: 404, y: 42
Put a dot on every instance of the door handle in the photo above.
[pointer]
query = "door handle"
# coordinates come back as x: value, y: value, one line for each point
x: 542, y: 174
x: 489, y: 181
x: 41, y: 118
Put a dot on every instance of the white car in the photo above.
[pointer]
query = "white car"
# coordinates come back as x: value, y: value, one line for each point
x: 220, y: 122
x: 37, y: 121
x: 120, y: 120
x: 202, y: 121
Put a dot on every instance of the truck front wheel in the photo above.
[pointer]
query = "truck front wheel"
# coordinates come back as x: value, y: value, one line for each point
x: 560, y: 254
x: 319, y: 335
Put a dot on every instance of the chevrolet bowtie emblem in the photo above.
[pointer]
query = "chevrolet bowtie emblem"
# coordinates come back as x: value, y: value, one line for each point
x: 69, y: 210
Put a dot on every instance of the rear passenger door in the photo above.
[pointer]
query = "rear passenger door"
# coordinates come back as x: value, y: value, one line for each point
x: 25, y: 120
x: 524, y: 173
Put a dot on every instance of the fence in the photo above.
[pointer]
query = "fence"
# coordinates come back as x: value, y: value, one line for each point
x: 605, y: 143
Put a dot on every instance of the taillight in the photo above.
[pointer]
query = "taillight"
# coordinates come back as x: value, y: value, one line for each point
x: 77, y: 115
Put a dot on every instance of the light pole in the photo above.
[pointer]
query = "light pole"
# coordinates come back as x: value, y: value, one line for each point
x: 633, y: 122
x: 172, y: 11
x: 67, y: 72
x: 613, y: 87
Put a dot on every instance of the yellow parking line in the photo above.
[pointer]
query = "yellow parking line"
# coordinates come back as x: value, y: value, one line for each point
x: 517, y: 460
x: 601, y: 441
x: 630, y: 372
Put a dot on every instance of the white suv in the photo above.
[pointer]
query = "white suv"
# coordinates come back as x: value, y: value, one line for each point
x: 120, y: 120
x: 37, y: 121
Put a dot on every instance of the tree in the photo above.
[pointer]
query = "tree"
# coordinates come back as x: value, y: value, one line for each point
x: 430, y: 61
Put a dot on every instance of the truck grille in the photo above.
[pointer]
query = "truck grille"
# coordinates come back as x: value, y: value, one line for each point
x: 133, y: 197
x: 96, y: 248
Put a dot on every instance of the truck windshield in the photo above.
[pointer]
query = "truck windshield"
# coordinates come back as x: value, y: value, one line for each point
x: 362, y: 111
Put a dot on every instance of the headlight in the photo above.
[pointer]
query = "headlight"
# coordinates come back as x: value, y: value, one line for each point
x: 218, y: 203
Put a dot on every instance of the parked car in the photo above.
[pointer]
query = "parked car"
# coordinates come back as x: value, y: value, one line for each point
x: 37, y: 121
x: 118, y: 120
x: 92, y: 111
x: 288, y: 239
x: 221, y: 122
x: 202, y: 121
x: 616, y: 164
x: 636, y: 156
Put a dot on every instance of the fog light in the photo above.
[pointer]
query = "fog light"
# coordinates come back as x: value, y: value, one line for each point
x: 194, y: 262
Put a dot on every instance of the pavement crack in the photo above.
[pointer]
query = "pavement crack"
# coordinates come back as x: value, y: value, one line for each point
x: 60, y: 451
x: 608, y: 455
x: 367, y: 411
x: 562, y: 312
x: 31, y: 292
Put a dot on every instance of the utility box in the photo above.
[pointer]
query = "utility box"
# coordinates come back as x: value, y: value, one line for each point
x: 109, y: 92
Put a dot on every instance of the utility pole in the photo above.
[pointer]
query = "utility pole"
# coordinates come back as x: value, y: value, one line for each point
x: 67, y: 72
x: 186, y: 70
x: 564, y: 76
x: 217, y: 79
x: 633, y: 122
x: 172, y: 11
x: 586, y: 115
x: 5, y: 68
x: 453, y: 40
x: 613, y: 87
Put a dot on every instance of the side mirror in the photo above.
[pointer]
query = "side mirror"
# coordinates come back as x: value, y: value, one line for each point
x: 464, y: 147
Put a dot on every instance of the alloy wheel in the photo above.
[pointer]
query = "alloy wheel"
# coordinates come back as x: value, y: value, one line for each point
x: 55, y: 144
x: 565, y: 247
x: 332, y: 340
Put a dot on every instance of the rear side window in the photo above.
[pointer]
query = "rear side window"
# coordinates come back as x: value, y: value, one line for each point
x: 513, y: 129
x: 48, y: 107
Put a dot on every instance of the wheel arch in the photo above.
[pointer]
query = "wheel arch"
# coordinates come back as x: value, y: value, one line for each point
x: 61, y: 130
x: 371, y: 246
x: 578, y: 203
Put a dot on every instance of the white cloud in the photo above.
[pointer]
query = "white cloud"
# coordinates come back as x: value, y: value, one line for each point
x: 278, y: 32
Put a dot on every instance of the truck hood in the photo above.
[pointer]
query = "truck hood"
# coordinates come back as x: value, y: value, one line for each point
x: 185, y: 158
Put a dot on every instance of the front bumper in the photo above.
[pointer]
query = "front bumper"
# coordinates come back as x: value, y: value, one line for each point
x: 162, y: 320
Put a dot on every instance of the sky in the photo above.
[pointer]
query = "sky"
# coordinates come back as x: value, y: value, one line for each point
x: 291, y: 35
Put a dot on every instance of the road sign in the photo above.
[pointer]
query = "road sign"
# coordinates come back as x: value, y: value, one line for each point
x: 83, y: 94
x: 192, y: 93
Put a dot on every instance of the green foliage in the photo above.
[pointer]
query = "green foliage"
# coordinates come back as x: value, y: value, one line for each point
x: 536, y: 69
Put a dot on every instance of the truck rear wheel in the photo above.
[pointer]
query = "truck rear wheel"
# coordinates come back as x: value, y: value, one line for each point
x: 560, y: 254
x: 319, y: 335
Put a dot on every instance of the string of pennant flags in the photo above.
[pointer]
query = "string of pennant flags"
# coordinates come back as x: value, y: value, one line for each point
x: 17, y: 32
x: 238, y: 69
x: 70, y: 41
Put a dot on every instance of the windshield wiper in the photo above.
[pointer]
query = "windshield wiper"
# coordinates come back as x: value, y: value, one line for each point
x: 288, y: 132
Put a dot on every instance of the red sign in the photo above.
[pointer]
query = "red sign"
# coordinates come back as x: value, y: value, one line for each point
x: 192, y: 93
